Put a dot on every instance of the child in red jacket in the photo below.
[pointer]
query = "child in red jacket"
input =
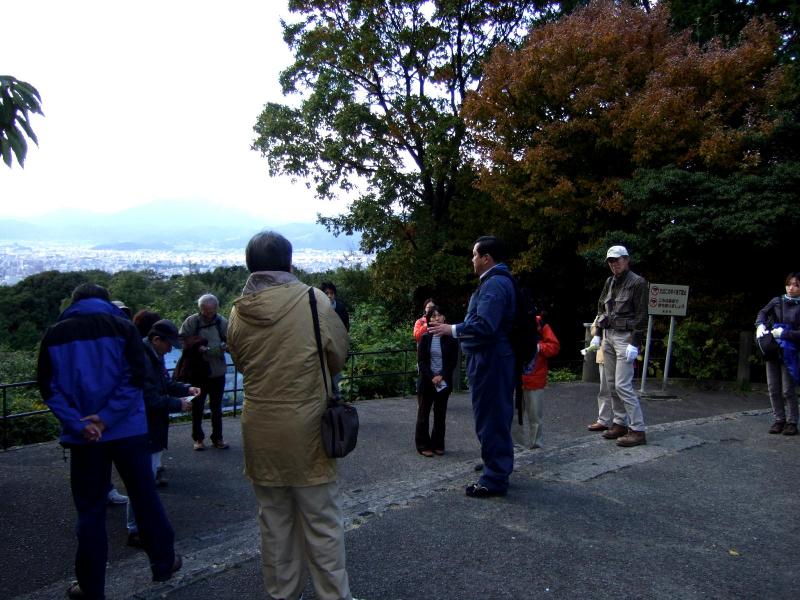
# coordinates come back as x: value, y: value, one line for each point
x: 533, y: 383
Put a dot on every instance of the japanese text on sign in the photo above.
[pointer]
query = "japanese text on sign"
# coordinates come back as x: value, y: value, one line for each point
x: 668, y: 299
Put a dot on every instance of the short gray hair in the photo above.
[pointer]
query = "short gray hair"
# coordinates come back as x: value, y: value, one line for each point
x: 268, y: 251
x: 207, y: 299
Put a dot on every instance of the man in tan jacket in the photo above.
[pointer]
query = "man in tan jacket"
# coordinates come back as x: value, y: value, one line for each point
x: 271, y: 339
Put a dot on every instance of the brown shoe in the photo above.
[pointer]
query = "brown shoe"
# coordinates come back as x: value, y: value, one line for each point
x: 790, y: 429
x: 777, y: 426
x: 616, y: 431
x: 426, y: 453
x: 220, y: 445
x: 597, y: 426
x: 632, y: 438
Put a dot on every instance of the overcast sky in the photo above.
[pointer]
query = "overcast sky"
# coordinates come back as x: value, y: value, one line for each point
x: 148, y: 100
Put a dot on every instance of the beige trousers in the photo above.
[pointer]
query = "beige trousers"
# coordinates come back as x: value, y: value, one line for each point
x: 529, y: 434
x: 302, y: 530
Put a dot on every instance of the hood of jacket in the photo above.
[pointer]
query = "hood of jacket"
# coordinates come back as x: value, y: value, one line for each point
x: 268, y: 296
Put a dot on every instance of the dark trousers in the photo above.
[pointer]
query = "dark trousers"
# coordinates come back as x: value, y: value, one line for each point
x: 213, y: 388
x: 427, y: 398
x: 90, y: 477
x: 491, y: 383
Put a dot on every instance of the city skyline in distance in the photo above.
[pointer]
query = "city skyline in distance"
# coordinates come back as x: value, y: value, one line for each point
x: 164, y: 224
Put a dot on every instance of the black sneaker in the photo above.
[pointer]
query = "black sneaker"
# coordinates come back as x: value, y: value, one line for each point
x: 476, y: 490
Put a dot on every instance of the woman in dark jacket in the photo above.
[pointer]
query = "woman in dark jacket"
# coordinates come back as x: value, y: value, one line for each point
x: 781, y: 318
x: 436, y: 358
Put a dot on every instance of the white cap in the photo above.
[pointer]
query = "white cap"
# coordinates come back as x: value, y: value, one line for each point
x: 616, y: 252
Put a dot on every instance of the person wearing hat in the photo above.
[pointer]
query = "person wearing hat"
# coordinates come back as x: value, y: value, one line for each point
x: 121, y: 305
x: 622, y: 315
x: 162, y: 396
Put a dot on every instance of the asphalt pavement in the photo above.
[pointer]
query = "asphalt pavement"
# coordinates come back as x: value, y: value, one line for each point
x: 707, y: 509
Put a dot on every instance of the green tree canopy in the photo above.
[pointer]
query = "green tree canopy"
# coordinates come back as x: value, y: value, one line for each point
x: 380, y: 86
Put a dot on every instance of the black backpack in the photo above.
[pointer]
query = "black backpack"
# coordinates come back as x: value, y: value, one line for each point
x: 524, y: 333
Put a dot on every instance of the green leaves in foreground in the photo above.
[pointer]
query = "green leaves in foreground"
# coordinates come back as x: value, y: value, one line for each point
x: 17, y: 100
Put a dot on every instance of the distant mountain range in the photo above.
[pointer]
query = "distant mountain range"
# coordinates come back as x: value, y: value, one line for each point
x: 163, y: 225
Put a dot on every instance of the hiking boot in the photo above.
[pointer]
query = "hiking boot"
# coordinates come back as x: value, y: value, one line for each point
x: 632, y: 438
x: 777, y: 427
x: 616, y: 431
x: 790, y: 429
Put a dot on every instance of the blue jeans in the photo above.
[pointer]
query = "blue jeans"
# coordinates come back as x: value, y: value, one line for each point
x: 90, y: 477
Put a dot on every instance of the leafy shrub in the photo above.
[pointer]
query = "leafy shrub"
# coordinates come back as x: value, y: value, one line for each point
x: 562, y: 375
x: 702, y: 348
x: 373, y: 331
x: 29, y: 430
x: 16, y: 367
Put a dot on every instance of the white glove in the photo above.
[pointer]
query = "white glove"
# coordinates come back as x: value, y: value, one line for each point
x: 631, y: 352
x: 761, y: 330
x: 593, y: 346
x: 777, y: 332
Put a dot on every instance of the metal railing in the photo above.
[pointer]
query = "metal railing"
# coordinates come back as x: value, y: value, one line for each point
x: 231, y: 395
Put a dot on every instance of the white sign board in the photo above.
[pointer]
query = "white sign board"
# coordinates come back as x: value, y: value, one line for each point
x: 668, y: 299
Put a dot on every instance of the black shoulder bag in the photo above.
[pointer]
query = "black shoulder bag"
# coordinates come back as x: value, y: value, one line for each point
x: 770, y: 349
x: 340, y: 420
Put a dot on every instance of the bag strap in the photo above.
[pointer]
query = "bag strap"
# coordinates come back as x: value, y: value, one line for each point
x: 312, y: 300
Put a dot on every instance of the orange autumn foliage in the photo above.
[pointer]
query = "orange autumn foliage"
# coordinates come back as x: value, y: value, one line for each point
x: 586, y: 101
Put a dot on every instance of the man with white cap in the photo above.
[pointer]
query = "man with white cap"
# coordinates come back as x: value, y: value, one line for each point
x: 622, y: 314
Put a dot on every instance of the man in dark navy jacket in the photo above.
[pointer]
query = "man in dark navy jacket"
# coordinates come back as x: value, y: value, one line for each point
x: 485, y: 339
x: 91, y: 364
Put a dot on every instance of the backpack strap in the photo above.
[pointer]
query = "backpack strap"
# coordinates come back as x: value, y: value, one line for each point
x: 217, y: 322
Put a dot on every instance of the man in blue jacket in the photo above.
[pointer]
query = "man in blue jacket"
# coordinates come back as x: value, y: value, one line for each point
x: 485, y: 339
x: 91, y: 364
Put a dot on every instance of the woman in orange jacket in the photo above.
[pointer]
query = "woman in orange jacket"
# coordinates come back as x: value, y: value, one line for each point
x: 533, y: 384
x: 421, y: 324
